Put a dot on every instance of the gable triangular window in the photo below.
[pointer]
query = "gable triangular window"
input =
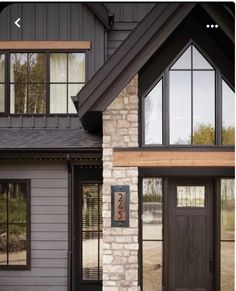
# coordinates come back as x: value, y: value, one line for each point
x: 181, y: 108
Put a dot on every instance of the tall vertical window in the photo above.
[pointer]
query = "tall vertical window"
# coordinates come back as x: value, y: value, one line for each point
x: 2, y: 82
x: 67, y: 77
x: 192, y: 99
x: 153, y: 115
x: 227, y: 234
x: 28, y: 82
x: 92, y: 232
x: 228, y: 114
x: 14, y: 225
x: 152, y: 201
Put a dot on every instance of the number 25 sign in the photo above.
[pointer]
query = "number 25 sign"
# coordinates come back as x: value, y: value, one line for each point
x: 120, y: 206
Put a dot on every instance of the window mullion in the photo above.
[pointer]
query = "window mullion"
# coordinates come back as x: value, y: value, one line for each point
x: 191, y: 94
x: 218, y: 108
x: 47, y: 83
x: 8, y: 225
x: 166, y: 108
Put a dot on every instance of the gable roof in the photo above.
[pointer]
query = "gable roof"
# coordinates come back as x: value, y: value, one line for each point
x: 138, y: 48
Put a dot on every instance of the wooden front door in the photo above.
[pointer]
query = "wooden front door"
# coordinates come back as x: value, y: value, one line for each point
x: 190, y: 235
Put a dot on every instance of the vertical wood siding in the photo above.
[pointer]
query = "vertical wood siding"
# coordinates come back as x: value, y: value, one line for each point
x: 56, y: 21
x: 126, y: 17
x: 49, y: 227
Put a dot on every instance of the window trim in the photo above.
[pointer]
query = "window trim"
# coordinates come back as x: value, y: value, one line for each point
x: 47, y: 52
x: 166, y: 101
x: 28, y: 225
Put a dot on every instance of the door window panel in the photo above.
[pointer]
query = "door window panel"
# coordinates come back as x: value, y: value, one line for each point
x: 91, y: 232
x: 152, y: 202
x: 228, y: 114
x: 190, y: 196
x: 152, y: 266
x: 227, y: 234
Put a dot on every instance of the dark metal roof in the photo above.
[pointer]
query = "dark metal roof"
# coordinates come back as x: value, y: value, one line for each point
x: 138, y: 48
x: 38, y: 138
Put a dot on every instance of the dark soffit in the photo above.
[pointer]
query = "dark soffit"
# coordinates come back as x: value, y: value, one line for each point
x: 137, y: 49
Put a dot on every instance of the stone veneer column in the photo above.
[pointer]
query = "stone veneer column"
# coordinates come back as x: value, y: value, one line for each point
x: 120, y: 247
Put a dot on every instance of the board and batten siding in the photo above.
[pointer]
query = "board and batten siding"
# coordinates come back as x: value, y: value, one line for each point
x: 49, y: 226
x: 56, y: 21
x: 126, y: 18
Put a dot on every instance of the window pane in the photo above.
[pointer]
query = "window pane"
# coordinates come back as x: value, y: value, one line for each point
x: 227, y: 209
x: 58, y: 98
x: 2, y: 97
x: 36, y: 98
x: 90, y: 256
x: 199, y: 61
x: 18, y: 98
x: 228, y: 114
x: 76, y: 66
x: 180, y: 107
x: 17, y: 203
x: 2, y: 67
x: 17, y: 244
x: 100, y: 255
x: 153, y: 115
x: 37, y: 67
x: 3, y: 202
x: 58, y: 67
x: 90, y: 219
x: 73, y: 91
x: 227, y: 266
x: 190, y: 196
x: 152, y: 266
x: 204, y: 107
x: 3, y: 244
x: 184, y: 61
x: 19, y: 69
x: 152, y: 208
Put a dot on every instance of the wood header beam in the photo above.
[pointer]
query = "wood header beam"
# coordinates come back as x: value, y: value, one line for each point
x: 140, y: 158
x: 80, y: 45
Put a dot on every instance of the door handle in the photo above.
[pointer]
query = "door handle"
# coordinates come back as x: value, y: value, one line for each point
x: 211, y: 263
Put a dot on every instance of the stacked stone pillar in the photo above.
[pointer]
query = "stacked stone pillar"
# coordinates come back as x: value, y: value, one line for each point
x: 120, y: 245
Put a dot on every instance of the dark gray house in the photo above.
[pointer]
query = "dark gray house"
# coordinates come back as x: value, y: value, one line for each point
x: 117, y: 146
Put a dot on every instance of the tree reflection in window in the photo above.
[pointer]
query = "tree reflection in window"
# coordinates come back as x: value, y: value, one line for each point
x: 228, y: 114
x: 28, y: 82
x: 192, y: 99
x: 92, y: 232
x: 227, y: 234
x: 13, y: 224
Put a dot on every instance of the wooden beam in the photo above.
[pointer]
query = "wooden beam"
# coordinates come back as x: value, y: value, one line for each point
x: 140, y: 158
x: 78, y: 45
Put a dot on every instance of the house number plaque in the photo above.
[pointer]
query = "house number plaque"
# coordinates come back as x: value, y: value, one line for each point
x: 120, y: 206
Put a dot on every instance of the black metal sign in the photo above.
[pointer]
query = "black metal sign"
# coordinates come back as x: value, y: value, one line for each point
x: 120, y: 206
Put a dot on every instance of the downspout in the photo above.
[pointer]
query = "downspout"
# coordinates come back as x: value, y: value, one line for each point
x: 70, y: 224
